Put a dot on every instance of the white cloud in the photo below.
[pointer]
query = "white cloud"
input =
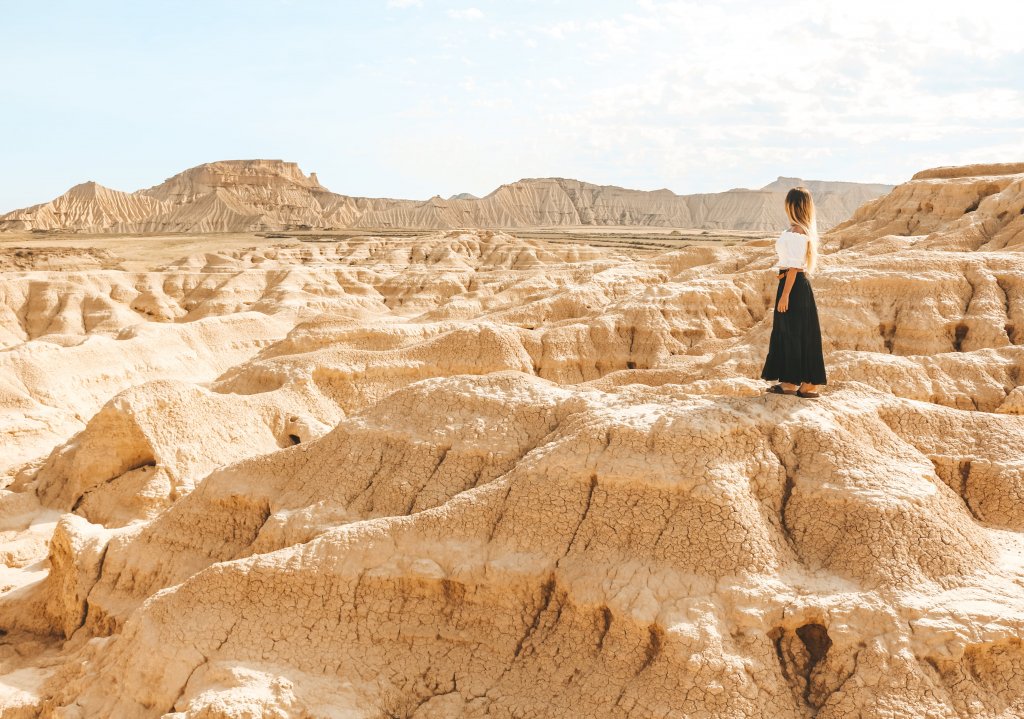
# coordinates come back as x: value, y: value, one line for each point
x: 559, y: 30
x: 700, y: 96
x: 469, y: 13
x: 807, y: 80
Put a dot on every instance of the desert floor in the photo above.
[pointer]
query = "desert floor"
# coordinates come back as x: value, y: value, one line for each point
x: 148, y: 252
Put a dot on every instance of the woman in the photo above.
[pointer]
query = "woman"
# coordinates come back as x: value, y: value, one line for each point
x: 794, y: 351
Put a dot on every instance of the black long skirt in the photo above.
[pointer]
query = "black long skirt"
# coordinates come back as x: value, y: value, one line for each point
x: 794, y: 351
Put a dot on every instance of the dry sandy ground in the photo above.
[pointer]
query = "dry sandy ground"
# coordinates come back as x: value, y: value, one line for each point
x: 149, y: 252
x: 478, y: 474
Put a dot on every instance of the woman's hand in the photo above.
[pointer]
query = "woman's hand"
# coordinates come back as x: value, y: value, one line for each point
x: 787, y: 288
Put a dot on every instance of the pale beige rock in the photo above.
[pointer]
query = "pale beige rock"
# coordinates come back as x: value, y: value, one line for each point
x: 88, y: 205
x: 253, y: 195
x: 968, y: 208
x: 470, y: 475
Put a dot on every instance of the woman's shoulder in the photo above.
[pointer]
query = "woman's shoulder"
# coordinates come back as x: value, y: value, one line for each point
x: 790, y: 236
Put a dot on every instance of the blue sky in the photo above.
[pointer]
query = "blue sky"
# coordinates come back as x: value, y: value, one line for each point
x: 407, y: 98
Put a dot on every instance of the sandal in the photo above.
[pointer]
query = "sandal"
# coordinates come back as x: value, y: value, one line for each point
x: 777, y: 389
x: 807, y: 395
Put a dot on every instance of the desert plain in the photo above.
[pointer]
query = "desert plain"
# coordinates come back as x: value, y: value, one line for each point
x: 520, y: 471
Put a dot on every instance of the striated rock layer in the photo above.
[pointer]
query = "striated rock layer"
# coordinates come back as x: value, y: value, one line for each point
x: 254, y: 195
x: 469, y: 475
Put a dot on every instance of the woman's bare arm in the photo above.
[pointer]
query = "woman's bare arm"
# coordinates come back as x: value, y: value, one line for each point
x: 790, y: 279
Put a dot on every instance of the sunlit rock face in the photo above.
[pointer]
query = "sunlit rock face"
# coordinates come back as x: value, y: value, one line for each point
x: 472, y: 475
x: 254, y: 195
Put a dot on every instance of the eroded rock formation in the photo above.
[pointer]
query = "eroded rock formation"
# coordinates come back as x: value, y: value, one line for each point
x: 470, y: 475
x: 254, y: 195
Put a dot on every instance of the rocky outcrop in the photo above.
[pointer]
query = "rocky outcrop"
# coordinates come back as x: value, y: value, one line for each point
x: 468, y: 475
x: 962, y: 208
x: 256, y: 195
x: 88, y: 206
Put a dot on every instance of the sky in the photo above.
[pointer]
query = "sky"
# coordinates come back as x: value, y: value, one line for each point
x: 414, y: 98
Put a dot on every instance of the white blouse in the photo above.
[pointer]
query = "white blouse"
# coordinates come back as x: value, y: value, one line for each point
x: 791, y: 247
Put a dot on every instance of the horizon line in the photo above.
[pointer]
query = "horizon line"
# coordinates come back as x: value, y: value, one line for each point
x: 453, y: 197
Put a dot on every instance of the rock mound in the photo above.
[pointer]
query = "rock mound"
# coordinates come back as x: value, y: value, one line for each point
x: 969, y: 208
x: 948, y: 173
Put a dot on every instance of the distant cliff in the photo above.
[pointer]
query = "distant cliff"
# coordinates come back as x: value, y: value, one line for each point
x: 257, y: 195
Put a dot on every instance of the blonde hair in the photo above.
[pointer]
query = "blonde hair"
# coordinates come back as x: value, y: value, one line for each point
x: 800, y: 211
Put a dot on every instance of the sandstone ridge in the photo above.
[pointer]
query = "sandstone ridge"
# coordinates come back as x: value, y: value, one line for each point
x: 262, y: 195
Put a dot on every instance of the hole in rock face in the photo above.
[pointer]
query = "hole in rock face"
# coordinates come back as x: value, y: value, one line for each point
x: 816, y: 640
x: 1015, y: 373
x: 800, y: 657
x: 958, y: 337
x: 972, y: 207
x: 887, y: 331
x: 606, y: 624
x: 655, y: 642
x: 631, y: 365
x: 294, y: 438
